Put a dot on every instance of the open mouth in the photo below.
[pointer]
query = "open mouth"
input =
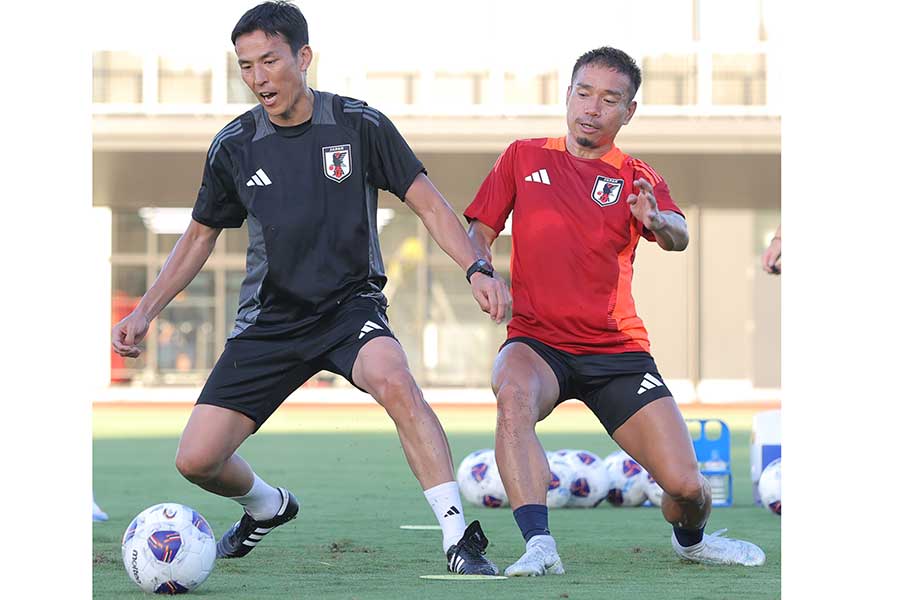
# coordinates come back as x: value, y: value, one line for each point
x: 268, y: 98
x: 588, y: 128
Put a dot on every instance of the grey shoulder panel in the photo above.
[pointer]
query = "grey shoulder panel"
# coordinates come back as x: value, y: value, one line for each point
x: 263, y: 125
x: 323, y: 108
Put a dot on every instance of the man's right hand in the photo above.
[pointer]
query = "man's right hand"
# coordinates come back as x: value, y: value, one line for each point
x: 128, y: 333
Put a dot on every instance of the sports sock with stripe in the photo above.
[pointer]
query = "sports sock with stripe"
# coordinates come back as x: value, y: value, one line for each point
x: 447, y: 506
x: 262, y: 502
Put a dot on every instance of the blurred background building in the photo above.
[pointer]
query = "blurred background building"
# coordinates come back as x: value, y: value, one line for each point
x: 460, y: 83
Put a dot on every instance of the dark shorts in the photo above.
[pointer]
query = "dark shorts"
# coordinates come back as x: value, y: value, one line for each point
x: 613, y: 386
x: 254, y: 376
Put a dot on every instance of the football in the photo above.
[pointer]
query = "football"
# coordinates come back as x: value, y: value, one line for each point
x: 561, y: 475
x: 654, y: 491
x: 770, y: 486
x: 628, y: 480
x: 479, y: 480
x: 590, y: 480
x: 168, y: 548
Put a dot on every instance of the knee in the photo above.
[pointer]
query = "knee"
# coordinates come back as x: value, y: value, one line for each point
x: 398, y: 393
x: 688, y: 488
x: 197, y: 467
x: 515, y: 406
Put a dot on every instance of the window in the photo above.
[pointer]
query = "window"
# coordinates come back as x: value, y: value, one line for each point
x: 739, y: 79
x: 392, y: 88
x: 541, y: 88
x: 670, y: 79
x: 118, y: 77
x: 181, y: 82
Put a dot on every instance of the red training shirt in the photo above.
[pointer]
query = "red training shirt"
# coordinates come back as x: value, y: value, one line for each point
x: 574, y: 241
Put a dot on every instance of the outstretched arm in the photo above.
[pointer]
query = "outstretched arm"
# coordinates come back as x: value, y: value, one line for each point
x: 442, y: 223
x: 668, y: 227
x: 184, y: 262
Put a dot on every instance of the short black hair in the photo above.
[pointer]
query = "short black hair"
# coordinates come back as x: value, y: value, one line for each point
x: 274, y: 18
x: 611, y: 58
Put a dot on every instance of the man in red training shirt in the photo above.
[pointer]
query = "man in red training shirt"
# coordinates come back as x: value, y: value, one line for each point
x: 580, y: 206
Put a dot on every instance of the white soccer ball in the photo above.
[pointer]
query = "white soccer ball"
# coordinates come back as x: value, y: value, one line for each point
x: 654, y: 491
x: 770, y: 486
x: 590, y: 481
x: 479, y: 479
x: 628, y: 480
x: 168, y: 548
x: 561, y: 475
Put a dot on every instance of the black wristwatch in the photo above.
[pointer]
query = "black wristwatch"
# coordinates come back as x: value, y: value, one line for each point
x: 479, y: 266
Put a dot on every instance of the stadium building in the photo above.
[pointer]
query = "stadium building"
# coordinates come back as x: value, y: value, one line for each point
x: 708, y: 120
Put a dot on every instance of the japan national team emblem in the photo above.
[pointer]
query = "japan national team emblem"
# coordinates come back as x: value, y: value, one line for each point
x: 606, y: 190
x: 336, y: 162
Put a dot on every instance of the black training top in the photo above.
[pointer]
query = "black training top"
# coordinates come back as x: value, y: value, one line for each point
x: 309, y: 196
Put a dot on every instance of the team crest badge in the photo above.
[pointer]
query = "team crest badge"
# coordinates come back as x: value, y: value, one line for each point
x: 336, y: 162
x: 607, y: 190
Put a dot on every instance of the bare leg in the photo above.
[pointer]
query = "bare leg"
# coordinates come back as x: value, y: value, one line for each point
x: 526, y: 391
x: 206, y: 454
x: 382, y: 370
x: 657, y: 437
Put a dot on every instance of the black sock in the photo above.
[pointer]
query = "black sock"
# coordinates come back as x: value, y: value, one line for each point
x: 688, y: 537
x: 532, y: 520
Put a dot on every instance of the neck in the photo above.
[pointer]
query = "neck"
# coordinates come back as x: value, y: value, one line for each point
x: 580, y: 151
x: 299, y: 113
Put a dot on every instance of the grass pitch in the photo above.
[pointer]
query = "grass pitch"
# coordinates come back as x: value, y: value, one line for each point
x: 355, y: 489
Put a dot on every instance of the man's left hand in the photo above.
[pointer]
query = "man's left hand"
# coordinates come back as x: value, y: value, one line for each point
x: 643, y: 205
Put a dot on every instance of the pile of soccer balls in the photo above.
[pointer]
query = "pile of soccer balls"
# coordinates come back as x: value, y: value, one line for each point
x: 168, y: 548
x: 578, y: 478
x: 770, y: 486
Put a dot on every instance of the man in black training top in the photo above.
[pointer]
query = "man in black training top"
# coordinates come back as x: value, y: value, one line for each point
x: 303, y: 168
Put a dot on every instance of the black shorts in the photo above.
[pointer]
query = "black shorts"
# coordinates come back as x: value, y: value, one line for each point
x: 613, y: 386
x: 254, y: 376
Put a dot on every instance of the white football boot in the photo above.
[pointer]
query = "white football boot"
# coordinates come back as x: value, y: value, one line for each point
x: 717, y: 549
x: 99, y: 515
x: 540, y: 558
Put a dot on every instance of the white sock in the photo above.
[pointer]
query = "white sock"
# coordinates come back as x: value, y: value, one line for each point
x: 447, y: 506
x: 262, y: 502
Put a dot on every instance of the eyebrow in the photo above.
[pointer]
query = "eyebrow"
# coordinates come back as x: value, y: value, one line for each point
x: 262, y: 57
x: 590, y: 87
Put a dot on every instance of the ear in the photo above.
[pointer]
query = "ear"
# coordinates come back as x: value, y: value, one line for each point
x: 304, y: 57
x: 568, y: 93
x: 632, y: 106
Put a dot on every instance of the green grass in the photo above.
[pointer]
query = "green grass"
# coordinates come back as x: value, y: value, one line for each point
x: 356, y: 490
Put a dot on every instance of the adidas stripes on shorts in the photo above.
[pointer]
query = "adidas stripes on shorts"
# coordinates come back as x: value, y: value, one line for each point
x: 613, y: 386
x: 254, y: 375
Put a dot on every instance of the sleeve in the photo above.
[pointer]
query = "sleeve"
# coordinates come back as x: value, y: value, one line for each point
x: 218, y: 204
x: 660, y: 192
x: 392, y: 164
x: 497, y: 194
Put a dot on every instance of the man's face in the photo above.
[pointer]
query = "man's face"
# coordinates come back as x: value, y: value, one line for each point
x: 275, y: 75
x: 598, y: 104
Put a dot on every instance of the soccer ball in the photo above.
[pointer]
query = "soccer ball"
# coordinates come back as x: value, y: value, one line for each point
x: 628, y: 480
x: 479, y: 480
x: 590, y: 481
x: 654, y: 491
x: 561, y: 476
x: 168, y: 548
x: 770, y: 486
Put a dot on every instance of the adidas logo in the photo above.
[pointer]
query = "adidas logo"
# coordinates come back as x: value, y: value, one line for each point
x: 539, y: 177
x: 369, y: 326
x: 648, y: 383
x: 453, y: 511
x: 259, y: 178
